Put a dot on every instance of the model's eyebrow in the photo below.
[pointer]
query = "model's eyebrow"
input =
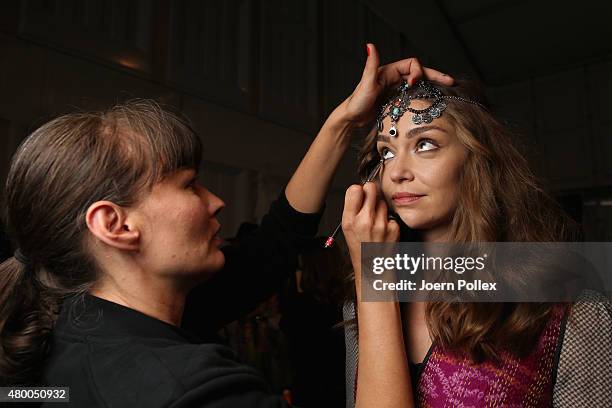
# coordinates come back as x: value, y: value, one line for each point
x: 411, y: 133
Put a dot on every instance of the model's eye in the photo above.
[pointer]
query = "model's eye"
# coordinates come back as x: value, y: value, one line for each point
x: 386, y: 154
x: 424, y: 145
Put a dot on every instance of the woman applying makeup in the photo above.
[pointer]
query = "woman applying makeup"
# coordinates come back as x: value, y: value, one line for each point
x: 120, y: 279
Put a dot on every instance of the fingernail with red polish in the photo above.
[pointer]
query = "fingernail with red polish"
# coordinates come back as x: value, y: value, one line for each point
x: 368, y: 49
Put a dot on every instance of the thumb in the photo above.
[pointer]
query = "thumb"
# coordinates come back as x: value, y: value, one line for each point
x: 371, y: 66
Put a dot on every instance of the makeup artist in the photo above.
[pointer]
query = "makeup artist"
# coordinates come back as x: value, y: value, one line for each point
x: 119, y: 279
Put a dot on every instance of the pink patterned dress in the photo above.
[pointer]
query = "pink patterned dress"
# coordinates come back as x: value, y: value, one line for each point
x: 570, y: 366
x: 451, y: 380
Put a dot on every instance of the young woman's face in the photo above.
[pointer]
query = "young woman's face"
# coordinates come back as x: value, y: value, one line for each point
x: 181, y: 226
x: 421, y: 173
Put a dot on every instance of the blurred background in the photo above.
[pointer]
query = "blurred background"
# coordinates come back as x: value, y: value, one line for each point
x: 259, y: 77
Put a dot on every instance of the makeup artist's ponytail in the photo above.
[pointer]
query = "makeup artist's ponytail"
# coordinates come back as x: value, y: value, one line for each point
x: 56, y: 174
x: 27, y: 313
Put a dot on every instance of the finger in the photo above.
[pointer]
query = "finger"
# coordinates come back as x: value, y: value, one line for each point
x: 371, y: 66
x: 380, y: 220
x: 438, y: 77
x: 393, y: 231
x: 381, y: 213
x: 369, y: 202
x: 353, y: 201
x: 411, y: 70
x: 417, y: 72
x: 393, y: 73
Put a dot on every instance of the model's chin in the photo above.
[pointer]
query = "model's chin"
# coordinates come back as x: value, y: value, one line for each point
x: 413, y: 218
x: 410, y: 217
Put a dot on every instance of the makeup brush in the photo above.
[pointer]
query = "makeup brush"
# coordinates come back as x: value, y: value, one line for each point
x: 330, y: 240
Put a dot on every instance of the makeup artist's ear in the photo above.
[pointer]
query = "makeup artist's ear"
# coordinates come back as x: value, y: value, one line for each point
x: 108, y: 222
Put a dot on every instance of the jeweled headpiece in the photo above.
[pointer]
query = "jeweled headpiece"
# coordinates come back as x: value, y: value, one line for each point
x: 400, y: 104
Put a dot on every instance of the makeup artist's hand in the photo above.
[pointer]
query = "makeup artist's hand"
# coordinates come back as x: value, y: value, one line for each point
x: 365, y: 220
x: 359, y: 107
x: 384, y: 377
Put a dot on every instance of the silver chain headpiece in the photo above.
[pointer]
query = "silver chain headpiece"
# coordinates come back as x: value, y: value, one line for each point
x: 400, y: 104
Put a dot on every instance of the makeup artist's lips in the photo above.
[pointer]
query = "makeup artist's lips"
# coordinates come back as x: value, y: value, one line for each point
x: 406, y: 198
x: 217, y: 238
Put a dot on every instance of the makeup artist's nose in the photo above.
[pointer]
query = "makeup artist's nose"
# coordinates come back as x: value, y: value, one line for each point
x: 400, y: 169
x: 215, y: 204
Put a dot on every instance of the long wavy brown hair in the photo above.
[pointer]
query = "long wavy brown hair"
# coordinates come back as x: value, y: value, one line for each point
x: 500, y: 200
x: 58, y: 171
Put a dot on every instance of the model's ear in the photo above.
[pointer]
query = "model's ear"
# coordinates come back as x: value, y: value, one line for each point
x: 108, y: 222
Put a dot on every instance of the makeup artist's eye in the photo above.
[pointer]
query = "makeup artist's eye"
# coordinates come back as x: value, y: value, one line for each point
x: 424, y: 145
x: 192, y: 183
x: 386, y: 154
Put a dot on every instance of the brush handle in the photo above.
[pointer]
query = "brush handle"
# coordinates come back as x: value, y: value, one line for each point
x: 332, y: 237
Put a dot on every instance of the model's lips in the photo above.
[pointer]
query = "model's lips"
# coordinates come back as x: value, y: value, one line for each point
x: 404, y: 198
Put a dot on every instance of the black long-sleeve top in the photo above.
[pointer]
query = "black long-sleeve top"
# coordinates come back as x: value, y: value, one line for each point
x: 113, y: 356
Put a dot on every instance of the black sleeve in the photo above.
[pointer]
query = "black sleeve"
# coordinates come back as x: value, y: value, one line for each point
x: 169, y: 374
x: 210, y: 378
x: 254, y: 268
x: 230, y: 391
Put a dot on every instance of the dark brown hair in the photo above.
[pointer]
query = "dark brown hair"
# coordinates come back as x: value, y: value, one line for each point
x: 56, y: 174
x: 501, y: 200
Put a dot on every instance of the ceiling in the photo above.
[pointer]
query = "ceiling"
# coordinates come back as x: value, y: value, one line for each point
x: 502, y: 41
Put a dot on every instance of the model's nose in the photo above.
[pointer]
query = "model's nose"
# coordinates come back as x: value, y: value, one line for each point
x: 399, y: 169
